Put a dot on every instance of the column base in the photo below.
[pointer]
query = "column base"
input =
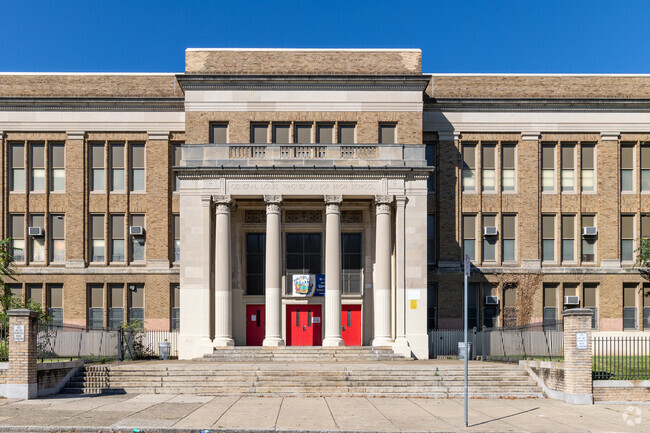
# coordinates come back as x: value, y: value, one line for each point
x: 333, y: 342
x: 401, y: 347
x: 273, y: 342
x: 383, y: 342
x: 223, y: 342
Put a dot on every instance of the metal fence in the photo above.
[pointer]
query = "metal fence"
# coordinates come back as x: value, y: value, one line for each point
x: 4, y: 340
x: 621, y: 358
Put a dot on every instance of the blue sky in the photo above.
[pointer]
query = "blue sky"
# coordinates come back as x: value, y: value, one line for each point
x: 571, y: 36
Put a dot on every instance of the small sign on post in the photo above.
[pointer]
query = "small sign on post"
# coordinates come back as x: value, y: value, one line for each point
x: 581, y: 340
x: 19, y: 333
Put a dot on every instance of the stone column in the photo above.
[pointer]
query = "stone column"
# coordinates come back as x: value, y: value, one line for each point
x: 382, y: 283
x: 22, y: 375
x: 577, y: 356
x: 333, y: 271
x: 223, y: 279
x: 273, y: 270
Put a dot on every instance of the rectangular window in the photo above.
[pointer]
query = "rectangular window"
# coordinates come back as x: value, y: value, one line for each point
x: 117, y: 238
x: 37, y: 162
x: 432, y: 306
x: 57, y: 167
x: 302, y: 134
x: 469, y: 236
x: 17, y: 167
x: 281, y: 133
x: 55, y: 303
x: 509, y: 306
x: 489, y: 241
x: 95, y: 306
x: 430, y: 155
x: 137, y: 167
x: 117, y: 167
x: 324, y: 133
x: 588, y: 242
x: 568, y: 238
x: 177, y: 238
x: 645, y: 168
x: 219, y: 133
x: 115, y: 305
x: 431, y: 239
x: 351, y: 263
x: 176, y: 307
x: 387, y: 133
x: 97, y: 243
x: 627, y: 238
x: 590, y: 301
x: 259, y: 133
x: 588, y: 165
x: 548, y: 238
x: 38, y: 242
x: 304, y: 254
x: 508, y: 234
x: 646, y: 307
x: 508, y: 178
x: 137, y: 242
x: 488, y: 167
x: 490, y: 312
x: 35, y: 293
x: 177, y: 163
x: 627, y: 168
x: 548, y: 168
x: 136, y: 304
x: 550, y: 305
x: 568, y: 167
x: 629, y: 306
x: 346, y: 133
x: 472, y: 306
x: 255, y: 263
x: 17, y: 231
x: 469, y: 167
x: 570, y: 290
x: 57, y: 238
x: 97, y: 175
x: 16, y: 291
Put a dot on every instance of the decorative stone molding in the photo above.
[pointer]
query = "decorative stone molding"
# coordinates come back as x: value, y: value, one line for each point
x: 531, y: 136
x: 610, y: 136
x: 222, y: 203
x: 206, y: 200
x: 448, y: 135
x: 273, y: 203
x: 333, y: 203
x: 401, y: 200
x: 158, y: 135
x: 76, y: 135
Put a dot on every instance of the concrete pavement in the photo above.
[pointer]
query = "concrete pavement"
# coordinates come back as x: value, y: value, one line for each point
x: 183, y: 413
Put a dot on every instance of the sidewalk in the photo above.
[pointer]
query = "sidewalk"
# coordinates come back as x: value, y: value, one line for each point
x: 182, y: 413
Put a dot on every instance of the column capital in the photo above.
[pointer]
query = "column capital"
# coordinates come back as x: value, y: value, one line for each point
x: 206, y: 200
x: 531, y: 136
x: 383, y: 202
x: 333, y: 203
x: 610, y: 136
x: 401, y: 200
x: 76, y: 135
x: 223, y: 203
x: 273, y: 203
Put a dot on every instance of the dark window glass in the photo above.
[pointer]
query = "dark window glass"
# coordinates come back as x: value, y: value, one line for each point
x: 303, y: 255
x: 255, y: 263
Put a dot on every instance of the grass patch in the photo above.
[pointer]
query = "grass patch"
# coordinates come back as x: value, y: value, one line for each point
x: 621, y: 367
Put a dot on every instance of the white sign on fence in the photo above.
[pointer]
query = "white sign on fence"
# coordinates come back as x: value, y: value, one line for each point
x: 581, y: 340
x: 19, y: 333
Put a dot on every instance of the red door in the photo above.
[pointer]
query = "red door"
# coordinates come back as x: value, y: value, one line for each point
x: 303, y: 325
x: 254, y: 325
x: 351, y: 324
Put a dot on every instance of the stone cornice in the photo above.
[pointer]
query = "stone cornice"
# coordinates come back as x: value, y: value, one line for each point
x: 296, y: 172
x: 91, y: 104
x: 535, y: 104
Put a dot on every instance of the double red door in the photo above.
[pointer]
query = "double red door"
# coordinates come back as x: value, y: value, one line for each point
x: 255, y: 324
x: 351, y: 324
x: 304, y: 325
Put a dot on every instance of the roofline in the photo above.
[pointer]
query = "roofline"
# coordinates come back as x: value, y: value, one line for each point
x: 163, y: 74
x: 366, y: 50
x: 507, y: 74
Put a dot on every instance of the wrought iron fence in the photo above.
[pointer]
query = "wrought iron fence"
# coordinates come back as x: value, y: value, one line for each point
x: 621, y: 358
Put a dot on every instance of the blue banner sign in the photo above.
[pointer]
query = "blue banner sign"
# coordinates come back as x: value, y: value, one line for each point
x: 320, y: 285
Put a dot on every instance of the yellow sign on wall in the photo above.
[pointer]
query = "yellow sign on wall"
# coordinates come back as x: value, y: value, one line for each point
x: 414, y: 304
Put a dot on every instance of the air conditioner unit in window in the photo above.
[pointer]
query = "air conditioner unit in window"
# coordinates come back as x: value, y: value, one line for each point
x: 35, y: 231
x: 491, y: 300
x: 136, y: 230
x: 589, y: 231
x: 490, y: 231
x: 571, y: 300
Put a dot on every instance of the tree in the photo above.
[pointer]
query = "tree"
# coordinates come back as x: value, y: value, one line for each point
x: 643, y: 257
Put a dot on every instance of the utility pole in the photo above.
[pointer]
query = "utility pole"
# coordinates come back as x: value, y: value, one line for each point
x: 466, y: 349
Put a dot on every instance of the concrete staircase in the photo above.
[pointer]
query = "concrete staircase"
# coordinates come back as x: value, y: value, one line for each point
x: 302, y: 354
x: 389, y: 379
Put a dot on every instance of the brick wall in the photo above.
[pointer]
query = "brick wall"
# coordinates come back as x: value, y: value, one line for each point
x: 621, y: 391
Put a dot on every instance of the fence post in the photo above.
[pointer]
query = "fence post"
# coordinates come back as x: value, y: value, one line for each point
x: 577, y: 356
x: 22, y: 374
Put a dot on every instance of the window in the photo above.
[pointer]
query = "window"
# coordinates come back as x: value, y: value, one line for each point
x: 548, y: 238
x: 35, y: 293
x: 281, y: 133
x: 55, y: 303
x: 469, y: 167
x: 97, y: 175
x: 17, y: 167
x: 302, y: 134
x: 430, y: 150
x: 646, y: 307
x: 431, y: 239
x: 136, y: 303
x: 57, y: 167
x: 255, y: 263
x: 509, y: 306
x: 588, y: 242
x: 259, y: 133
x: 117, y: 238
x: 219, y: 133
x: 587, y: 162
x: 177, y: 163
x: 324, y: 133
x: 303, y: 255
x: 16, y: 291
x: 351, y: 263
x: 469, y: 236
x: 57, y: 238
x: 629, y: 306
x: 37, y: 162
x: 550, y: 305
x: 627, y: 168
x: 346, y: 133
x: 568, y: 238
x: 176, y: 307
x: 488, y: 180
x: 489, y: 241
x: 508, y: 177
x: 472, y: 306
x: 137, y: 242
x: 38, y: 242
x: 627, y: 238
x: 548, y: 168
x: 177, y: 238
x: 17, y: 231
x: 115, y: 306
x: 95, y: 306
x: 570, y: 290
x: 117, y: 167
x: 508, y: 233
x: 645, y: 225
x: 590, y: 301
x: 568, y: 167
x: 137, y: 167
x: 387, y: 133
x: 490, y: 312
x: 432, y: 306
x: 645, y: 168
x: 97, y: 243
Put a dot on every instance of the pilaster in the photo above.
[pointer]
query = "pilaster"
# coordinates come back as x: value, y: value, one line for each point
x: 76, y: 186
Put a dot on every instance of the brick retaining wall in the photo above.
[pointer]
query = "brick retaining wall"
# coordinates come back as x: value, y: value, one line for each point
x: 621, y: 390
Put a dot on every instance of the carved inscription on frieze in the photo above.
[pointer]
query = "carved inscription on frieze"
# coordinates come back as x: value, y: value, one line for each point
x: 302, y: 187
